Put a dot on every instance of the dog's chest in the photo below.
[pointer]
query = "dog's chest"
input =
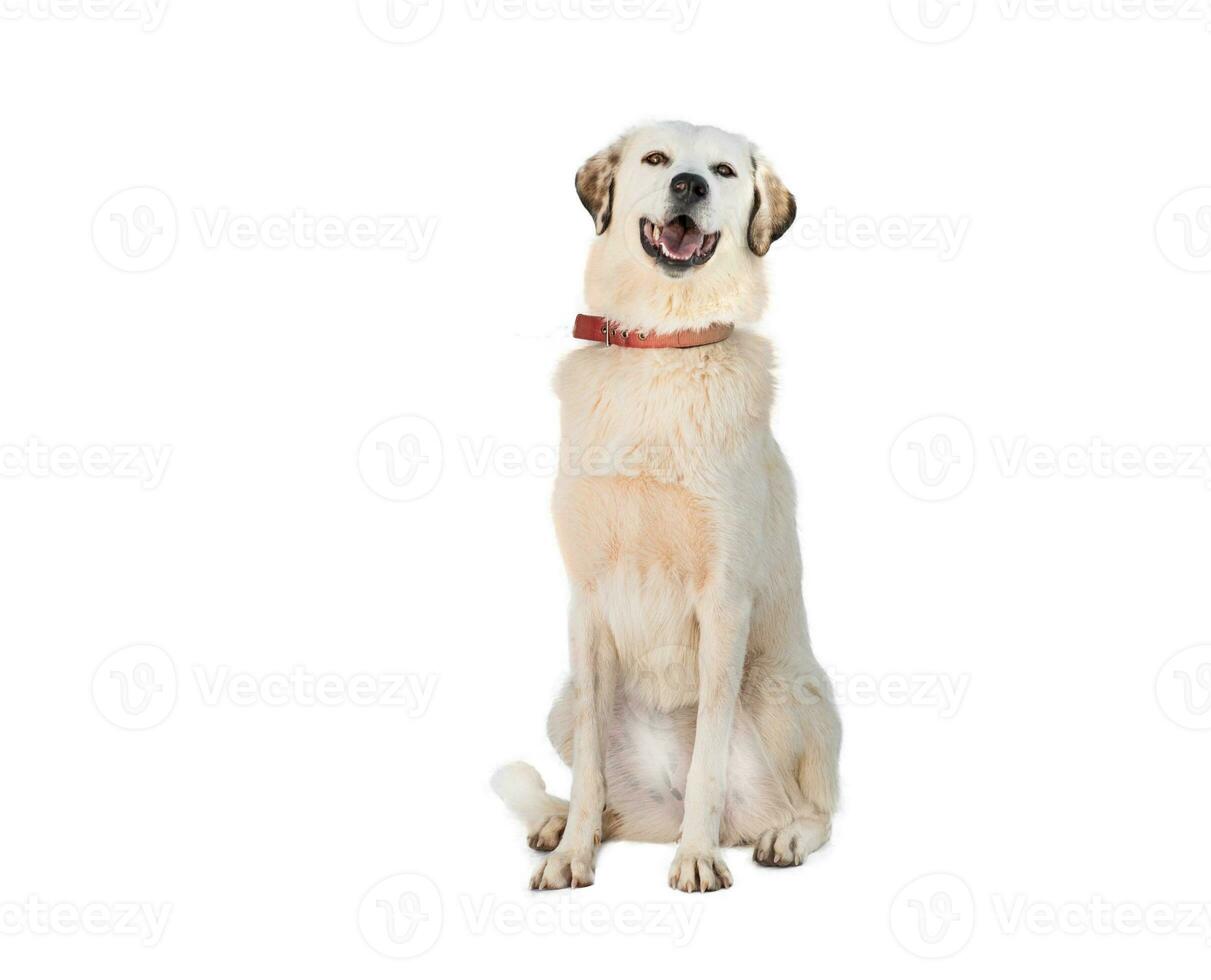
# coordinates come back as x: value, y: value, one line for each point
x: 650, y: 446
x: 627, y: 504
x: 643, y: 547
x: 642, y: 550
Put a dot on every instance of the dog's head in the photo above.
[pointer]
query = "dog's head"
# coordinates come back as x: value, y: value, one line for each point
x: 684, y: 214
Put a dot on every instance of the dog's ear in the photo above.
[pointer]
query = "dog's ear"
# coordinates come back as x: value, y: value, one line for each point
x: 773, y: 207
x: 595, y: 184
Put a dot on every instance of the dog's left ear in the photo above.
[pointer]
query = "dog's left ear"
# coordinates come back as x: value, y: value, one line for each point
x: 595, y: 184
x: 773, y: 207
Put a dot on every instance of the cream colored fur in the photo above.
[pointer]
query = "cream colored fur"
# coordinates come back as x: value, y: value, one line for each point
x: 695, y: 711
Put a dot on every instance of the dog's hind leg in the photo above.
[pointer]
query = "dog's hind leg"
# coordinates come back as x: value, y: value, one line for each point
x: 545, y: 816
x: 787, y: 845
x: 814, y: 791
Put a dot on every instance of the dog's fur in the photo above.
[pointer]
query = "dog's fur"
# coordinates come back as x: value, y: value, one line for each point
x: 695, y: 711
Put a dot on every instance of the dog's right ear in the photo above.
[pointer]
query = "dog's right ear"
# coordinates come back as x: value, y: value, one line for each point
x: 595, y: 184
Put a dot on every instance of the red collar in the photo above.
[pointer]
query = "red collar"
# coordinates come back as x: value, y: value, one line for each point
x: 611, y: 333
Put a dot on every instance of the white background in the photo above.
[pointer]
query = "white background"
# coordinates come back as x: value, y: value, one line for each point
x: 1069, y: 774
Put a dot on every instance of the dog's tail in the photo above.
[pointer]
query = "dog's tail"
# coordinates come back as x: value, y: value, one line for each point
x: 524, y: 792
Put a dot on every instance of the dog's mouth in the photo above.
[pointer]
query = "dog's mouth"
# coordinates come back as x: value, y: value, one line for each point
x: 678, y: 243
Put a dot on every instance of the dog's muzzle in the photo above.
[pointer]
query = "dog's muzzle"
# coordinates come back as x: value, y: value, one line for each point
x: 678, y: 242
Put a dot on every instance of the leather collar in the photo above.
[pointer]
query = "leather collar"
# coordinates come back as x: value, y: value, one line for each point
x: 613, y: 334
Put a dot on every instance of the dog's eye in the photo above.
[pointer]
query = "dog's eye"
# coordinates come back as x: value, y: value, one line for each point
x: 725, y: 170
x: 656, y: 159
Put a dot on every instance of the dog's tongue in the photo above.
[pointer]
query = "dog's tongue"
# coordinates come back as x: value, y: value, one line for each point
x: 680, y: 242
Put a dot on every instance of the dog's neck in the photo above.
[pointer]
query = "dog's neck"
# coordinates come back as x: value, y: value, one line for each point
x: 614, y: 334
x: 729, y: 289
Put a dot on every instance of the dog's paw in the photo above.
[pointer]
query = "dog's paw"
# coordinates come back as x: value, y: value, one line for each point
x: 564, y: 869
x: 696, y: 870
x: 549, y: 834
x: 782, y: 848
x: 786, y: 847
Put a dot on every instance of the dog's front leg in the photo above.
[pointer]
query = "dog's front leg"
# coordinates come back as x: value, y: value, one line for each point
x: 698, y: 864
x: 593, y: 678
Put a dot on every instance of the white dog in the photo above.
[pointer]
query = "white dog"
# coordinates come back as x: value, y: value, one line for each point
x: 695, y: 711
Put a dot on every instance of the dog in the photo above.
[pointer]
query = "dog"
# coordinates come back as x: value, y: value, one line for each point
x: 695, y: 711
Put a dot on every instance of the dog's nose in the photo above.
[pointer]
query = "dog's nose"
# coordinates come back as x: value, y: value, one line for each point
x: 689, y: 188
